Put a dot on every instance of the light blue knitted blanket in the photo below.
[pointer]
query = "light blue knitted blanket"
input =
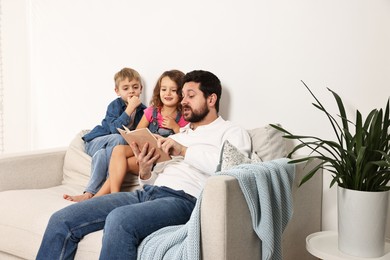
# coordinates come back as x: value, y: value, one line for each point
x: 267, y: 189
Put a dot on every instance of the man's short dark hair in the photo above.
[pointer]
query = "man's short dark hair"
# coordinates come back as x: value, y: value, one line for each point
x: 209, y: 83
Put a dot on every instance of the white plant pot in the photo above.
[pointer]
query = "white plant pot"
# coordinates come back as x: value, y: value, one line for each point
x: 362, y: 222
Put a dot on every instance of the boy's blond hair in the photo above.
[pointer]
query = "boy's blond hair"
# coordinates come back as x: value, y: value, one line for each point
x: 128, y: 73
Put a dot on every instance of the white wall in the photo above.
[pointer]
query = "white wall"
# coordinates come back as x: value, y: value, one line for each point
x: 16, y: 77
x: 62, y: 55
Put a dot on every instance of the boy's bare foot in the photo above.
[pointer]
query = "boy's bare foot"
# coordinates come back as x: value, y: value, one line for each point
x: 78, y: 198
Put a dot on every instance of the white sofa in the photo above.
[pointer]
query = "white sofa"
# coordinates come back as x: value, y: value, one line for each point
x: 32, y: 185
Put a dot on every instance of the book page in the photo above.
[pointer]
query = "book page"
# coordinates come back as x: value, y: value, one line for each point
x: 142, y: 136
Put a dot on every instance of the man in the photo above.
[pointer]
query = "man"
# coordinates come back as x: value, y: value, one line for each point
x: 169, y: 190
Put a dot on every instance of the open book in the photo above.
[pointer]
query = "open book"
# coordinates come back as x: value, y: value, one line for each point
x: 142, y: 136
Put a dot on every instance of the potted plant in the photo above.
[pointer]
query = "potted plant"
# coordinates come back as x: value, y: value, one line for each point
x: 359, y: 161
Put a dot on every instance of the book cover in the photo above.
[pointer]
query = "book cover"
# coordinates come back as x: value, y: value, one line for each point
x: 142, y: 136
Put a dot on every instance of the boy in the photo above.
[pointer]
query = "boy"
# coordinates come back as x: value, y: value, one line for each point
x: 125, y: 110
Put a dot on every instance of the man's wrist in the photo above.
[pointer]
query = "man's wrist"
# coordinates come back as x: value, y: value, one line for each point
x: 145, y: 176
x: 183, y: 151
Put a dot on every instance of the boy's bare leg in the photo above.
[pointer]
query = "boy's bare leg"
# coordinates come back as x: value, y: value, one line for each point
x: 78, y: 198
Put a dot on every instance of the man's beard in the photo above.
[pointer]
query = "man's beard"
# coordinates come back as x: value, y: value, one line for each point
x: 197, y: 115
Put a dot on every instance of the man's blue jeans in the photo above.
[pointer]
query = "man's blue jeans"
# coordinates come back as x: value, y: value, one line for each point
x: 100, y: 149
x: 127, y: 218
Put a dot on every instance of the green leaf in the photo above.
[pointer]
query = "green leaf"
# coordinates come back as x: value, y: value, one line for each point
x: 359, y: 160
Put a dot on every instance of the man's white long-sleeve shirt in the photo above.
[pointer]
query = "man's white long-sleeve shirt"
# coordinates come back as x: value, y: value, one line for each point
x: 204, y: 146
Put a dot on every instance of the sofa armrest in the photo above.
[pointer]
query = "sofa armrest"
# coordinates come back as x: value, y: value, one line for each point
x: 226, y: 226
x: 32, y: 170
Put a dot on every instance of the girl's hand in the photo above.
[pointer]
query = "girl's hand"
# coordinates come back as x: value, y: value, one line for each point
x: 170, y: 123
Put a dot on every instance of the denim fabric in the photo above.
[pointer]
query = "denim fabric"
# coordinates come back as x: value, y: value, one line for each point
x: 102, y: 139
x: 156, y: 129
x: 115, y: 118
x: 127, y: 218
x: 100, y: 149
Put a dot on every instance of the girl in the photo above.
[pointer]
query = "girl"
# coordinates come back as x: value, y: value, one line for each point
x: 162, y: 117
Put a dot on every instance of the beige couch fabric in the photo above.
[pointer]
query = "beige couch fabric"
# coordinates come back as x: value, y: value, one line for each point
x: 26, y: 202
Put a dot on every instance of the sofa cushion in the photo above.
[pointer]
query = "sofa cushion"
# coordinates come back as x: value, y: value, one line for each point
x: 268, y: 143
x: 25, y: 214
x: 77, y: 163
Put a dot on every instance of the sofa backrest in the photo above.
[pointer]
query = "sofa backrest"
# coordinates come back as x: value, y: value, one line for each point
x: 267, y: 144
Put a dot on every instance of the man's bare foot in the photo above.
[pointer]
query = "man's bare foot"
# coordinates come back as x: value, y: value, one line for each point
x: 78, y: 198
